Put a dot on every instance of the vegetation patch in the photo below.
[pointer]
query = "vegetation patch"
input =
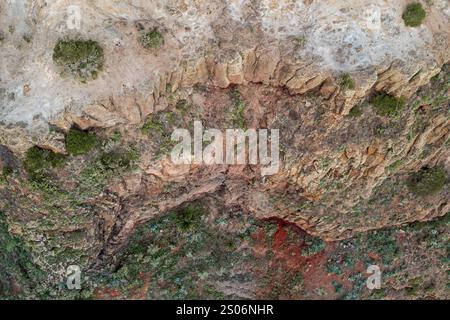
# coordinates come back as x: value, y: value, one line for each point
x: 347, y: 82
x: 384, y: 243
x: 153, y: 126
x: 414, y: 15
x: 6, y: 173
x: 117, y: 159
x: 427, y: 181
x: 38, y: 162
x: 386, y: 105
x: 238, y: 113
x: 182, y: 252
x: 183, y: 105
x: 187, y: 217
x: 191, y: 252
x: 96, y: 175
x: 80, y: 58
x: 301, y: 41
x: 16, y: 265
x: 395, y: 165
x: 356, y: 111
x: 159, y: 127
x: 152, y: 39
x: 315, y: 245
x: 80, y: 142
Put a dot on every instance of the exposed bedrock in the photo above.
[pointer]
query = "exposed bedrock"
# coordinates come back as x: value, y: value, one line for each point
x: 340, y: 174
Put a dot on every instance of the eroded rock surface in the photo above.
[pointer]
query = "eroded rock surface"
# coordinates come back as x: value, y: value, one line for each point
x: 344, y: 167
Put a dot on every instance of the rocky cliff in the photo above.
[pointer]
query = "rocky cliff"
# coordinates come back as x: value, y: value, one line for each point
x: 360, y: 98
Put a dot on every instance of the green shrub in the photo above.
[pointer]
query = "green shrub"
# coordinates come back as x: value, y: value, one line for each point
x: 384, y: 243
x: 152, y: 39
x: 355, y: 111
x: 315, y: 245
x: 187, y: 217
x: 414, y: 15
x: 427, y: 181
x: 386, y: 105
x: 39, y: 161
x: 80, y: 58
x: 347, y: 82
x: 118, y: 159
x: 334, y: 266
x: 159, y: 127
x: 153, y: 125
x: 80, y: 142
x: 35, y: 163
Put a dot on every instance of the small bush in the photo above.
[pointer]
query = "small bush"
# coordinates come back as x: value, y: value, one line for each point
x: 159, y: 127
x: 315, y: 245
x: 153, y: 125
x: 386, y: 105
x: 35, y: 162
x: 347, y: 82
x: 414, y: 15
x: 118, y: 159
x: 356, y: 111
x: 39, y: 161
x: 187, y: 217
x: 384, y: 243
x: 427, y: 181
x: 80, y: 142
x: 82, y: 59
x: 152, y: 39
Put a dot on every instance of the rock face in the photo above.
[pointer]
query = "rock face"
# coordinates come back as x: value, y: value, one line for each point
x: 344, y: 167
x: 301, y: 46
